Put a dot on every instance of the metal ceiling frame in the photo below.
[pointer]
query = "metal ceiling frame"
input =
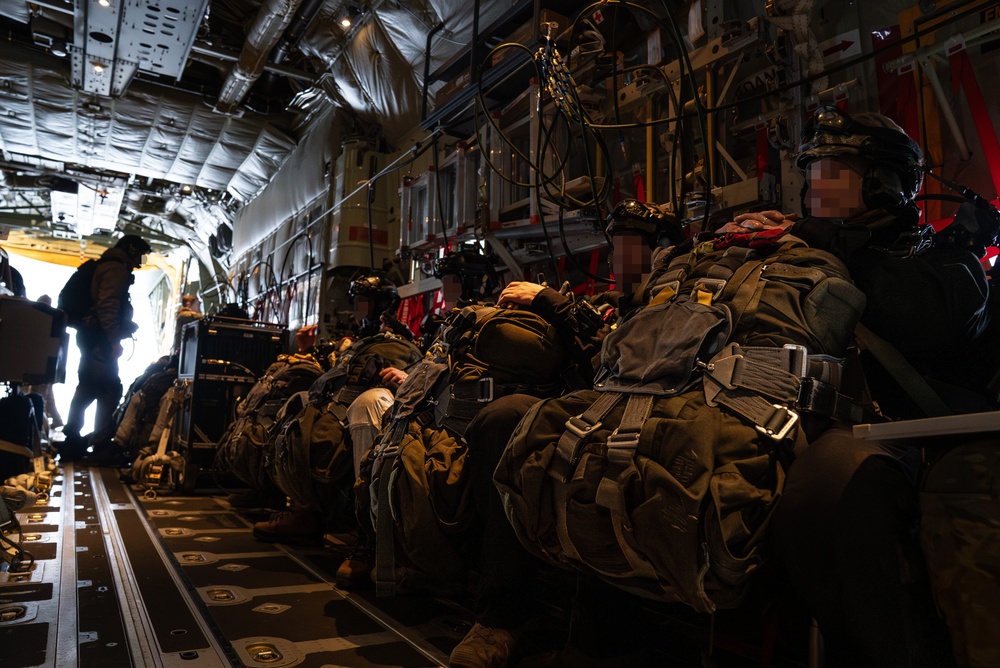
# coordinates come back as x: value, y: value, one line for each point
x: 114, y: 39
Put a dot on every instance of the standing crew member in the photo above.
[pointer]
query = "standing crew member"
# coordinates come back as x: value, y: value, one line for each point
x: 99, y: 339
x: 189, y: 311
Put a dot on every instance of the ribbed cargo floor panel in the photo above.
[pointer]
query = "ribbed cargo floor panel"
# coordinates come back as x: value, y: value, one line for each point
x: 180, y: 581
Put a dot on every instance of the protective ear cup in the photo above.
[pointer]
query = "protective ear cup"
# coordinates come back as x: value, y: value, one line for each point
x: 882, y: 189
x: 803, y: 202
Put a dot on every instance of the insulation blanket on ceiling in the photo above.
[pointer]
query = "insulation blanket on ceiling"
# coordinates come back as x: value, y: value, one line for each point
x: 379, y: 74
x: 140, y: 133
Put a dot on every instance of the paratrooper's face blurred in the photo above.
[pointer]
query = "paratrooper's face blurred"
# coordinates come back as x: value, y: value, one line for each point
x: 834, y: 189
x: 361, y: 306
x: 630, y: 261
x: 451, y: 290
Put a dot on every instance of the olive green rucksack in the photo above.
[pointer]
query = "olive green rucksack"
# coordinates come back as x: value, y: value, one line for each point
x: 242, y: 448
x: 311, y: 460
x: 416, y: 479
x: 421, y: 522
x: 663, y: 478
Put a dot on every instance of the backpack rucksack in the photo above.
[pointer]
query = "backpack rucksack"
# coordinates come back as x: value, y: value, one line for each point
x: 243, y: 447
x: 417, y: 484
x: 663, y: 478
x: 75, y: 297
x: 142, y: 407
x: 18, y: 434
x: 312, y: 462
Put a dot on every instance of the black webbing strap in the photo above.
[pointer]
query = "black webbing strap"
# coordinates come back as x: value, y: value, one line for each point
x: 338, y: 410
x: 902, y: 372
x: 460, y: 402
x: 622, y: 444
x: 456, y: 414
x: 578, y: 428
x: 342, y: 399
x: 766, y: 385
x: 385, y: 543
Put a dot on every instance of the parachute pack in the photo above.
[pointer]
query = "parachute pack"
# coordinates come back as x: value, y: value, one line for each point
x: 417, y: 467
x: 242, y: 449
x: 141, y: 407
x: 157, y: 469
x: 662, y: 479
x: 312, y: 462
x: 75, y: 297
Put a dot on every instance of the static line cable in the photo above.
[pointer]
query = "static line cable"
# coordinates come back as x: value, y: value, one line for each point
x: 304, y: 234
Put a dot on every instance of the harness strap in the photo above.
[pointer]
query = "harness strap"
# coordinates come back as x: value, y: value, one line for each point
x: 764, y: 385
x: 15, y: 448
x: 578, y: 428
x: 621, y: 451
x: 708, y: 288
x: 622, y: 445
x: 338, y: 410
x: 458, y: 403
x: 561, y: 498
x: 734, y: 257
x: 902, y: 372
x: 342, y: 399
x: 387, y: 453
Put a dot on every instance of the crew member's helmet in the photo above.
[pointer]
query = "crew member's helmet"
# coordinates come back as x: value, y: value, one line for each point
x: 894, y: 171
x: 378, y: 289
x: 135, y: 246
x: 656, y: 226
x: 475, y: 272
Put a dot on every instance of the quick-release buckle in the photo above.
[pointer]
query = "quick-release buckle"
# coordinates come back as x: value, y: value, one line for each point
x: 485, y: 390
x: 386, y: 452
x: 673, y: 286
x: 622, y: 446
x: 798, y: 362
x: 713, y: 285
x: 43, y: 482
x: 579, y: 427
x: 482, y: 390
x: 781, y: 423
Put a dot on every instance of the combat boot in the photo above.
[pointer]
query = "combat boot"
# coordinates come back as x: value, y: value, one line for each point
x: 484, y: 647
x: 294, y: 526
x: 72, y: 448
x: 356, y: 570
